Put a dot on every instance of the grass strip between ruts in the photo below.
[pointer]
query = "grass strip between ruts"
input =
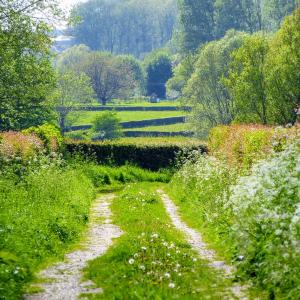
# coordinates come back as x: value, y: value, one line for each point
x: 151, y: 260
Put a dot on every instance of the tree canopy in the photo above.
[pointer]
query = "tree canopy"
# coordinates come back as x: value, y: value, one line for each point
x: 26, y: 74
x: 125, y: 26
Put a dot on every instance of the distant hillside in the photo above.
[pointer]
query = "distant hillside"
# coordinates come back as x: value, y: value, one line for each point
x: 125, y: 26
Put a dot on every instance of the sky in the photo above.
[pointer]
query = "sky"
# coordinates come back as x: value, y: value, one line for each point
x: 67, y: 4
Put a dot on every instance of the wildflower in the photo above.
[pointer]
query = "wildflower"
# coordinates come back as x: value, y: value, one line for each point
x: 172, y: 285
x: 142, y: 267
x: 154, y: 235
x: 194, y: 259
x: 144, y: 248
x: 131, y: 261
x: 167, y: 275
x: 136, y: 255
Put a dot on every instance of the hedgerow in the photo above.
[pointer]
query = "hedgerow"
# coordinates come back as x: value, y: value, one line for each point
x: 153, y: 156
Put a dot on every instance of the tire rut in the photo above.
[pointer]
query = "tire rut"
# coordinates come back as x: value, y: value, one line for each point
x: 196, y: 241
x: 66, y: 277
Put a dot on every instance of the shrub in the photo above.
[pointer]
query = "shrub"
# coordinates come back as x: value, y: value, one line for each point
x: 49, y: 134
x: 266, y: 206
x: 253, y: 218
x: 241, y: 145
x: 107, y: 126
x: 18, y: 147
x: 153, y: 156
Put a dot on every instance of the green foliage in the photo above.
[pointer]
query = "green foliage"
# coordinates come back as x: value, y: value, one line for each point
x: 18, y: 148
x: 198, y: 189
x: 151, y: 260
x: 146, y: 154
x: 181, y: 74
x: 196, y: 19
x: 253, y: 219
x: 107, y: 126
x: 205, y: 91
x: 247, y: 80
x: 158, y: 68
x: 49, y: 134
x: 26, y: 74
x: 135, y: 27
x: 104, y: 175
x: 283, y: 70
x: 73, y: 89
x: 41, y: 216
x: 240, y: 145
x: 266, y: 211
x: 135, y: 67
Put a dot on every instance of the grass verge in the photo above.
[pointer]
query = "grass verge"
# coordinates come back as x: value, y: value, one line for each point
x: 41, y: 216
x: 151, y: 260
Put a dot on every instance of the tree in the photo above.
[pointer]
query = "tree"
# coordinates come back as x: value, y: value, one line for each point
x: 283, y: 70
x: 125, y: 26
x: 158, y: 66
x: 247, y: 79
x: 229, y: 14
x: 26, y: 74
x: 107, y: 126
x: 72, y: 91
x: 136, y: 69
x: 197, y: 23
x: 181, y: 74
x: 205, y: 91
x: 110, y: 77
x: 71, y: 57
x: 276, y: 10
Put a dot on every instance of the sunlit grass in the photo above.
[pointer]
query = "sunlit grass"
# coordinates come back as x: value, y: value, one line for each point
x: 151, y: 260
x: 87, y: 117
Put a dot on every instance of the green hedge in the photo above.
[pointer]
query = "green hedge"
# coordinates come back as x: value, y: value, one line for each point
x: 149, y: 156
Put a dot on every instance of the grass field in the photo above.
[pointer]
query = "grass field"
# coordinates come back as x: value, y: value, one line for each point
x: 87, y: 117
x: 164, y: 128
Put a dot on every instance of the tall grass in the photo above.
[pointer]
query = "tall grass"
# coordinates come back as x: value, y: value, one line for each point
x: 41, y: 214
x: 251, y: 216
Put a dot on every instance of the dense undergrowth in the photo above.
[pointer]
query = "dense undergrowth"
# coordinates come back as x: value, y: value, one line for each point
x: 42, y: 213
x: 151, y: 260
x: 249, y: 208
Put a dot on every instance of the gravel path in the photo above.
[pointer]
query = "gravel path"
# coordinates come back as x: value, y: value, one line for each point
x: 197, y: 243
x: 65, y: 278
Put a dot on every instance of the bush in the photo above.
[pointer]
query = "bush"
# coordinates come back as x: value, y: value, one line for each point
x: 107, y: 126
x: 150, y: 156
x: 241, y: 145
x: 266, y: 207
x: 18, y: 147
x: 49, y: 134
x: 253, y: 219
